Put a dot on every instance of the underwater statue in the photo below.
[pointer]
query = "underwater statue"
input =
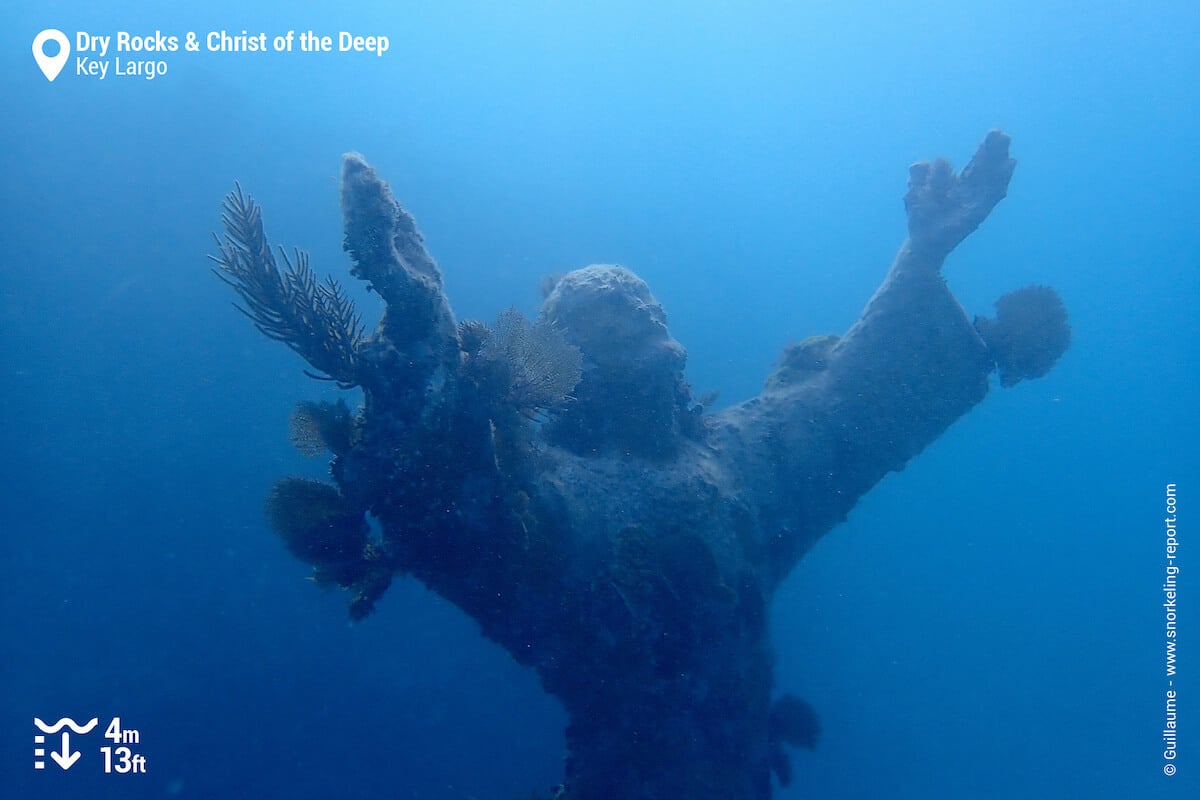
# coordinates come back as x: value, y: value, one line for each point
x: 555, y: 479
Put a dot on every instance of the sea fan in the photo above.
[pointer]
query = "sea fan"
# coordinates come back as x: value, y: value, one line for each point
x: 315, y: 522
x: 316, y: 427
x: 542, y: 368
x: 1028, y: 335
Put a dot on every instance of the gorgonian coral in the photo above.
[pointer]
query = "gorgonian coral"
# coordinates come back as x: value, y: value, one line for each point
x: 316, y: 320
x: 321, y: 528
x: 315, y: 522
x: 1028, y: 335
x: 540, y: 367
x: 316, y: 427
x: 792, y: 722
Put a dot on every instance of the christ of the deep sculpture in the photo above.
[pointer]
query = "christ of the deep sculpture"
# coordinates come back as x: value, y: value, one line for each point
x: 556, y: 481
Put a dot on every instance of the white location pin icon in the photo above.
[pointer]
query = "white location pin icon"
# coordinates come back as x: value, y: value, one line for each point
x: 51, y: 65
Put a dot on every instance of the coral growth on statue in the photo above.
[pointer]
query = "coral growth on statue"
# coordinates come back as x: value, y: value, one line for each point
x: 1029, y: 334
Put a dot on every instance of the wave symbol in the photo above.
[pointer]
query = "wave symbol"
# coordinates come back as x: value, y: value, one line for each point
x: 70, y: 723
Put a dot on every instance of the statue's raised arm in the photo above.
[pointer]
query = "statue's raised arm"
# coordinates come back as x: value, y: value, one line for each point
x: 556, y: 481
x: 840, y: 413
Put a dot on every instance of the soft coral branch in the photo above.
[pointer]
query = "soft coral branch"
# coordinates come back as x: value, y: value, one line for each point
x: 317, y: 320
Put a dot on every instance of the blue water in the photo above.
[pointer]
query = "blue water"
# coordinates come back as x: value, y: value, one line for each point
x: 987, y: 624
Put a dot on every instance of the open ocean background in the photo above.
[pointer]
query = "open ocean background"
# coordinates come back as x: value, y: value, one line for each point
x: 987, y: 624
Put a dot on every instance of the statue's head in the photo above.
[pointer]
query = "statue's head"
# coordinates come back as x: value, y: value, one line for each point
x: 632, y: 394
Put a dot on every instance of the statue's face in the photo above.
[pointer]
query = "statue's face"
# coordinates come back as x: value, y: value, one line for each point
x: 611, y: 315
x: 632, y: 392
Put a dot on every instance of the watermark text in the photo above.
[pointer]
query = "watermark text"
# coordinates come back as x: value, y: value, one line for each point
x: 1170, y: 590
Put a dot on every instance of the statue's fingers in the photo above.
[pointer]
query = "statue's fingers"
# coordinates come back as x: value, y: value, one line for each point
x: 991, y: 168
